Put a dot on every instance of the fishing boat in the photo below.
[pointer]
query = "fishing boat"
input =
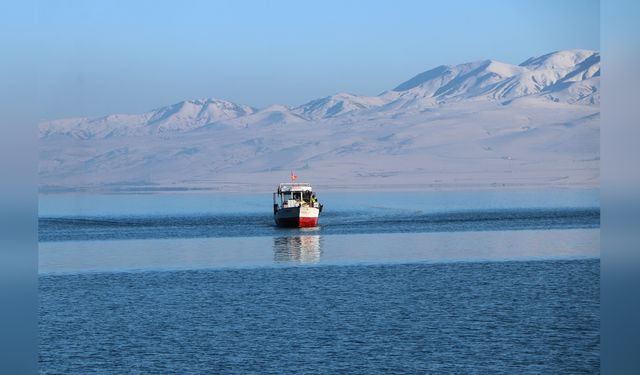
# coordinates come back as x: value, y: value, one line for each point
x: 295, y: 205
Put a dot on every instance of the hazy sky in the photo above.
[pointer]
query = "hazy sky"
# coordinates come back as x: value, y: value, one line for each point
x: 102, y: 57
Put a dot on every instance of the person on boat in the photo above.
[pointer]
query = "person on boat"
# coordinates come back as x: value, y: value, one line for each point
x: 314, y: 200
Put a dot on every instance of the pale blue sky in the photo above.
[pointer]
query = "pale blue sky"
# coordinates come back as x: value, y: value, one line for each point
x: 102, y: 57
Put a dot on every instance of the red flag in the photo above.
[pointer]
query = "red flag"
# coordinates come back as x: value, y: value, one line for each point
x: 293, y: 176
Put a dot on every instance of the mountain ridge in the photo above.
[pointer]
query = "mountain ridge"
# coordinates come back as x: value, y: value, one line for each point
x: 569, y: 76
x: 478, y: 125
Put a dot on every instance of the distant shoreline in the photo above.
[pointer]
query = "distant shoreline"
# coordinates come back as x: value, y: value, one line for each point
x: 264, y: 188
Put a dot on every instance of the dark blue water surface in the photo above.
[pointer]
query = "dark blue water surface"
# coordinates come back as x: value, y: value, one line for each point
x: 332, y: 222
x: 74, y: 218
x: 498, y: 317
x: 412, y: 282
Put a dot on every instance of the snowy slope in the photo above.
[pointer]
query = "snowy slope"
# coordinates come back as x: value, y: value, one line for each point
x: 336, y: 105
x: 479, y: 124
x: 183, y: 116
x: 545, y: 76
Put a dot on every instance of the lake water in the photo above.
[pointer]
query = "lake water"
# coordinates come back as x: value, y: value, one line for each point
x: 389, y: 282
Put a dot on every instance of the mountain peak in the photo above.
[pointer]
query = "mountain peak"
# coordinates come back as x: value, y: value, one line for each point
x: 568, y: 76
x: 424, y: 77
x: 498, y: 80
x: 336, y: 105
x: 199, y: 112
x: 564, y: 59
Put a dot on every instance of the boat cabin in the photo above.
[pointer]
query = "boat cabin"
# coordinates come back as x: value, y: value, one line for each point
x: 294, y: 195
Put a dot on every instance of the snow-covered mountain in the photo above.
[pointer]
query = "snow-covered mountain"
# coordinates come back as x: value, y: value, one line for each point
x: 479, y: 123
x: 337, y: 105
x: 550, y: 76
x: 191, y: 114
x: 183, y: 116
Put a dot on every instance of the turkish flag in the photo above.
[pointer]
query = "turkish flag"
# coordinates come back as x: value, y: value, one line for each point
x: 293, y: 176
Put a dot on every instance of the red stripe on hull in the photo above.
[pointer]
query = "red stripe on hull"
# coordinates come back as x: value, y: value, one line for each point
x: 308, y: 222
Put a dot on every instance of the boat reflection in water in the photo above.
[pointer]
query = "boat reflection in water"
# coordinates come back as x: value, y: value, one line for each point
x: 297, y: 249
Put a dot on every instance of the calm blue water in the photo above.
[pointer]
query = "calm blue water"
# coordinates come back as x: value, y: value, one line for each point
x: 499, y: 317
x: 455, y: 282
x: 68, y: 217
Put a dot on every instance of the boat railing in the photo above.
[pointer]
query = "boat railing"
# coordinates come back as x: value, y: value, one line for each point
x: 294, y: 184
